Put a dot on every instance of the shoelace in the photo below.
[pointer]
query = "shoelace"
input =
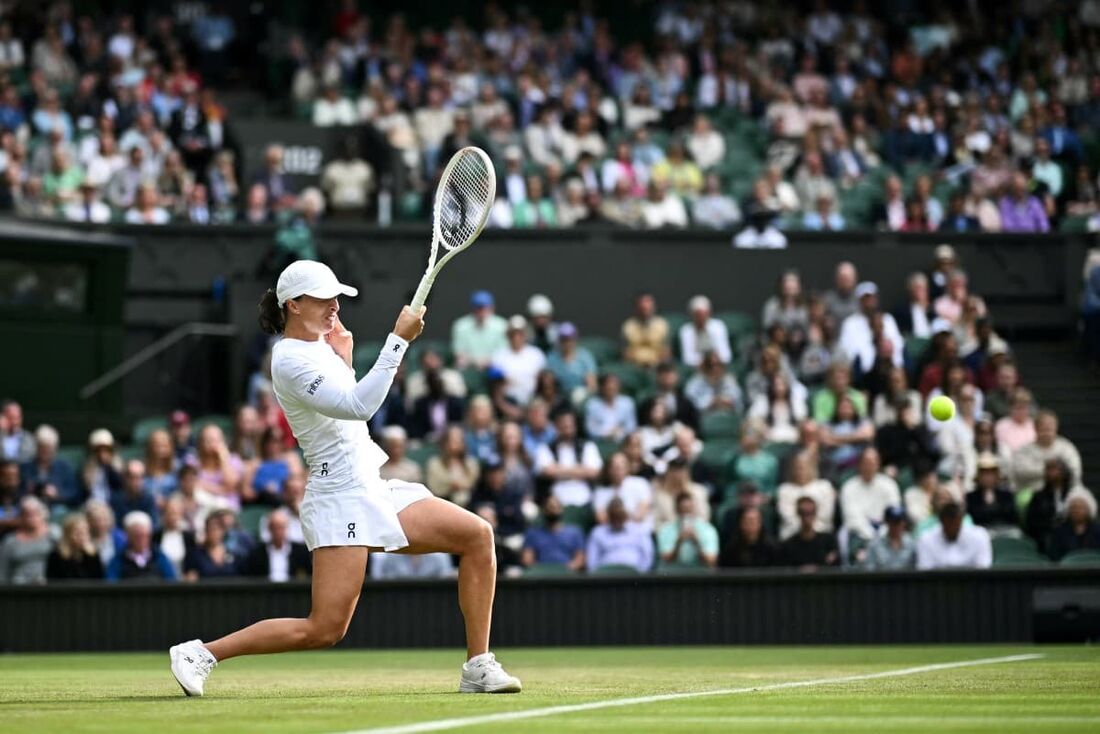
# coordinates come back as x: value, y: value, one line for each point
x: 205, y: 665
x: 491, y: 664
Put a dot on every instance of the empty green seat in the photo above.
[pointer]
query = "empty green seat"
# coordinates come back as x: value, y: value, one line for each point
x: 720, y: 424
x: 475, y: 380
x: 250, y: 518
x: 1085, y: 557
x: 420, y: 454
x: 141, y: 431
x: 633, y: 378
x: 738, y: 323
x: 615, y: 569
x: 365, y: 355
x: 578, y: 515
x: 602, y: 348
x: 1005, y: 546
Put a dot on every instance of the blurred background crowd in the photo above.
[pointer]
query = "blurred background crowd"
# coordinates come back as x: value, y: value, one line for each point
x: 738, y: 116
x: 795, y: 436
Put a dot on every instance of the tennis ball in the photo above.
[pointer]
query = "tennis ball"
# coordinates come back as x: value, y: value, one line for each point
x: 942, y: 408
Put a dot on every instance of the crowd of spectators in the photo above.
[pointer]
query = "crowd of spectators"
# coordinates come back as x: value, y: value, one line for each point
x: 800, y: 438
x: 736, y: 116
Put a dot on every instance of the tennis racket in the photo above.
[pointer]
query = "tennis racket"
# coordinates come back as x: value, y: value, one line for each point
x: 463, y: 199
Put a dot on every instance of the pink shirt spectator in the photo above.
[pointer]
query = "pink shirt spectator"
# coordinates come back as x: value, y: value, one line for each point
x: 1012, y: 435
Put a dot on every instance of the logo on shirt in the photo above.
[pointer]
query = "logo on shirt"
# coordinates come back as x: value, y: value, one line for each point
x: 397, y: 347
x: 312, y: 389
x: 324, y: 468
x: 351, y: 530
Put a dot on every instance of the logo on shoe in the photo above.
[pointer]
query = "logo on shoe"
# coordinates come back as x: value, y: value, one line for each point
x: 351, y: 530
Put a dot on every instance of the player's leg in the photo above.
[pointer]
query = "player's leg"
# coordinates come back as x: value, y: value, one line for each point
x: 337, y: 581
x: 434, y: 525
x: 338, y: 573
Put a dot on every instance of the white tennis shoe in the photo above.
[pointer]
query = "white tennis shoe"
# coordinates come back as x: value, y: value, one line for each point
x: 191, y: 664
x: 483, y: 674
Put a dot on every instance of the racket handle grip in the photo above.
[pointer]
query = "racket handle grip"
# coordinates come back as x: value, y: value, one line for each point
x: 422, y: 291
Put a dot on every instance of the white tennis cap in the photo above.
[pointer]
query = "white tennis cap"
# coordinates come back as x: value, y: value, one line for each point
x: 310, y: 278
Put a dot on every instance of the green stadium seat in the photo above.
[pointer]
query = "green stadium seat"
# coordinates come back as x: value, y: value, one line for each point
x: 442, y: 347
x: 683, y: 569
x: 606, y: 447
x: 914, y: 348
x: 420, y: 454
x: 250, y: 518
x: 548, y: 571
x: 1085, y: 557
x: 716, y: 455
x: 614, y: 569
x: 1004, y: 546
x: 74, y: 455
x: 131, y: 451
x: 580, y: 515
x: 720, y: 425
x: 223, y: 422
x: 476, y: 382
x: 633, y: 378
x: 738, y: 323
x: 1022, y: 560
x: 605, y: 350
x: 141, y: 431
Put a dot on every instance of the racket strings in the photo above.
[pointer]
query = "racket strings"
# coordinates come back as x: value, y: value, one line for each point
x: 465, y: 200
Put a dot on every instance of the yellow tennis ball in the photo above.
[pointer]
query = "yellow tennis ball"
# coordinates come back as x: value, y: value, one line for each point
x: 942, y: 408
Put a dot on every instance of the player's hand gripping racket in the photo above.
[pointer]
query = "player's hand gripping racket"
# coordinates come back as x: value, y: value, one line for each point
x: 463, y: 199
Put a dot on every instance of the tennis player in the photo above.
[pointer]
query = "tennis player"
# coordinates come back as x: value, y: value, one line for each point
x: 348, y: 510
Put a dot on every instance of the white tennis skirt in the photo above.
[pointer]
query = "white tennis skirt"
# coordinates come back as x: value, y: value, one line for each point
x: 363, y: 516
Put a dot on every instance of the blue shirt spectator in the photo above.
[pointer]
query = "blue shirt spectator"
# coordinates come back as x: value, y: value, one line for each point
x: 133, y: 497
x: 619, y: 542
x: 688, y: 540
x: 573, y: 366
x: 139, y: 559
x: 554, y: 542
x: 610, y: 415
x: 46, y: 476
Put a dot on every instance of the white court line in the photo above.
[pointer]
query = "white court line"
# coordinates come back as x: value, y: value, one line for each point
x: 444, y: 724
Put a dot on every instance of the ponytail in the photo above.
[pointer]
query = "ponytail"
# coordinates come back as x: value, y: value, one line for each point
x: 272, y: 317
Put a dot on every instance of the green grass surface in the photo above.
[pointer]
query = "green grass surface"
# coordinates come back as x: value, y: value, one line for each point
x: 342, y: 690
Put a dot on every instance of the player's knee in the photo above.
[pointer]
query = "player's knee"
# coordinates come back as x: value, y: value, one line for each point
x: 326, y: 633
x: 481, y: 537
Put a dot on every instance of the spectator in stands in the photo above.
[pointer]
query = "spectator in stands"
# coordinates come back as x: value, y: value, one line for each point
x: 950, y: 305
x: 518, y: 468
x: 891, y: 213
x: 106, y: 536
x: 622, y: 208
x: 788, y: 306
x: 616, y: 483
x: 865, y: 497
x: 609, y: 414
x: 703, y: 333
x: 502, y: 505
x: 661, y: 209
x: 682, y: 176
x: 748, y: 545
x: 857, y: 332
x: 211, y: 558
x: 1016, y: 429
x: 124, y: 184
x: 347, y: 181
x: 453, y: 473
x: 24, y: 551
x: 537, y: 429
x: 714, y: 208
x: 17, y: 443
x: 667, y: 391
x: 332, y: 108
x: 620, y: 542
x: 398, y: 466
x: 1000, y: 395
x: 958, y: 219
x: 10, y: 492
x: 760, y: 232
x: 645, y: 333
x: 221, y: 473
x: 438, y: 408
x: 914, y: 318
x: 519, y: 361
x: 75, y: 556
x: 810, y: 545
x: 271, y: 469
x: 1079, y: 531
x: 688, y: 540
x: 133, y: 496
x: 989, y: 503
x: 677, y: 480
x: 542, y: 329
x: 139, y: 559
x: 884, y: 410
x: 895, y: 550
x: 622, y: 167
x: 555, y: 542
x: 803, y: 481
x: 183, y: 439
x: 846, y: 434
x: 841, y: 300
x: 476, y: 336
x: 88, y: 207
x: 175, y: 537
x: 275, y: 182
x: 712, y: 389
x: 954, y: 544
x: 752, y: 462
x: 278, y: 559
x: 147, y: 209
x: 706, y: 146
x: 1029, y: 462
x: 1020, y: 210
x: 569, y: 463
x: 824, y: 217
x: 573, y: 366
x: 100, y: 474
x: 837, y: 385
x: 905, y: 443
x: 46, y: 476
x: 1047, y: 506
x: 405, y: 566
